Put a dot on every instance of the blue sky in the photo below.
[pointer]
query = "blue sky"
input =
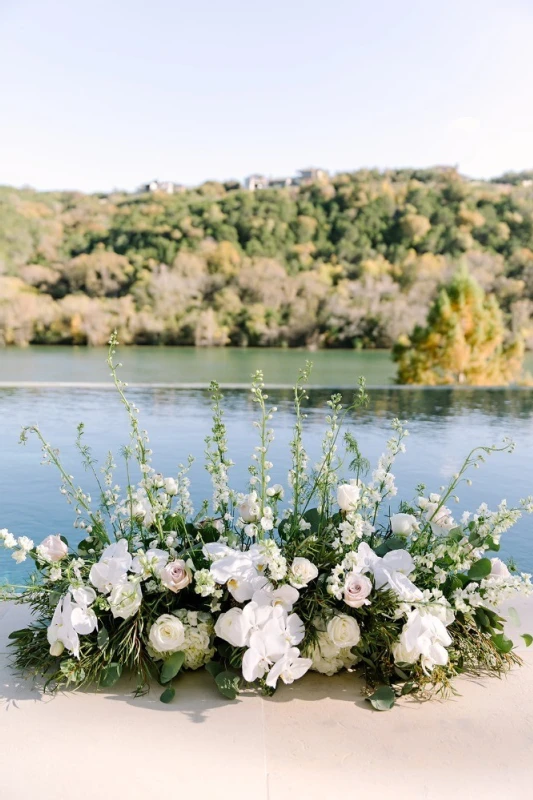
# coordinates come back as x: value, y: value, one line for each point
x: 99, y: 95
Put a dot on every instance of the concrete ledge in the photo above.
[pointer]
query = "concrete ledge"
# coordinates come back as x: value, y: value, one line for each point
x: 315, y: 739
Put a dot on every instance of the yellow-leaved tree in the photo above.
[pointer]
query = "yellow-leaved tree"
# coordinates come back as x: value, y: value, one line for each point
x: 465, y: 341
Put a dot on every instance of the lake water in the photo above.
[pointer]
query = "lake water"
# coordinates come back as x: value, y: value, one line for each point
x: 444, y: 425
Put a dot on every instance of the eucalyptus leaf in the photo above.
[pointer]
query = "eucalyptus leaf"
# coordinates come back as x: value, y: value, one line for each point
x: 214, y: 668
x: 171, y: 666
x: 383, y: 698
x: 168, y: 695
x: 480, y: 569
x: 102, y: 638
x: 111, y: 675
x: 528, y: 639
x: 228, y: 684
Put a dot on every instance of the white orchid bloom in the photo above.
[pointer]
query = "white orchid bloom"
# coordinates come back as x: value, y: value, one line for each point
x: 215, y: 551
x: 230, y: 566
x: 256, y: 616
x: 290, y: 667
x: 366, y: 558
x: 83, y: 595
x: 61, y: 633
x: 286, y: 596
x: 256, y: 660
x: 83, y: 619
x: 425, y: 637
x: 112, y: 567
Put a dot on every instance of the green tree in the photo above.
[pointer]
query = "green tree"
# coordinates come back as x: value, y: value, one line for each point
x: 464, y: 341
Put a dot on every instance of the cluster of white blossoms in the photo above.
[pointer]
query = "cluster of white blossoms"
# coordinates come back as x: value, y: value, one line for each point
x: 265, y: 626
x: 257, y: 518
x: 332, y: 648
x: 438, y: 515
x: 270, y: 633
x: 362, y: 571
x: 189, y: 632
x: 21, y: 545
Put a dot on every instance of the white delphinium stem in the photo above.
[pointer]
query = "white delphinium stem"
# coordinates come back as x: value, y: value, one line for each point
x: 259, y: 471
x: 298, y: 478
x: 217, y: 462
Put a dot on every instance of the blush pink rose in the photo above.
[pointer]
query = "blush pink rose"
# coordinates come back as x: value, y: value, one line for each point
x: 176, y: 575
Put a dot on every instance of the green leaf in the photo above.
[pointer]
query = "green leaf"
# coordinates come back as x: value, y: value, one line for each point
x: 503, y: 644
x: 528, y: 639
x: 228, y: 684
x: 392, y: 543
x: 401, y: 674
x: 18, y: 634
x: 64, y: 540
x: 383, y: 698
x: 214, y: 668
x: 493, y: 546
x: 168, y: 695
x: 479, y: 569
x: 313, y: 518
x: 408, y: 687
x: 111, y: 675
x: 171, y: 666
x: 482, y: 619
x: 102, y: 638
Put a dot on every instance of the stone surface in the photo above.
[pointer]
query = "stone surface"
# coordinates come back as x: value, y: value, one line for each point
x: 315, y: 739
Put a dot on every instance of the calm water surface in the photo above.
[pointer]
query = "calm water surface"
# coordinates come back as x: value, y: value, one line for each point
x: 190, y: 365
x: 444, y: 425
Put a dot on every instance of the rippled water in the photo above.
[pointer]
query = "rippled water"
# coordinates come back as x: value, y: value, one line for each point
x: 444, y: 425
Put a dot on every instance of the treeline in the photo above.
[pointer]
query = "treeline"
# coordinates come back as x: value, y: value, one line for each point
x: 352, y: 262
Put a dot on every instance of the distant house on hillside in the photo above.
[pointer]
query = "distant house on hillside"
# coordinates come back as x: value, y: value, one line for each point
x: 254, y: 182
x: 304, y: 177
x: 280, y: 183
x: 165, y: 187
x: 311, y: 175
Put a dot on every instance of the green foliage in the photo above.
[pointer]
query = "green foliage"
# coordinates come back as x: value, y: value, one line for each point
x: 171, y: 666
x: 383, y: 698
x: 355, y: 262
x: 463, y: 341
x: 228, y: 684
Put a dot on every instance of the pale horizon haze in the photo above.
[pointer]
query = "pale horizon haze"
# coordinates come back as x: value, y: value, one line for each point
x: 104, y: 95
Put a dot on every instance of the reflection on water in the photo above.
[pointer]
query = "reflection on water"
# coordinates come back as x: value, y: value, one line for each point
x: 444, y: 425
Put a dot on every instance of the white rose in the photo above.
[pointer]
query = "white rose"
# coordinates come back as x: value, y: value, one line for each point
x: 302, y: 571
x: 125, y: 599
x: 499, y: 569
x: 171, y: 487
x: 343, y: 631
x: 167, y: 634
x: 53, y: 548
x: 348, y: 495
x: 233, y: 627
x: 176, y: 575
x: 356, y: 589
x: 249, y: 509
x: 403, y: 524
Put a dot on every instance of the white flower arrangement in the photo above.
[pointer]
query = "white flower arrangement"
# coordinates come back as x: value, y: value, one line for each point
x: 258, y: 592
